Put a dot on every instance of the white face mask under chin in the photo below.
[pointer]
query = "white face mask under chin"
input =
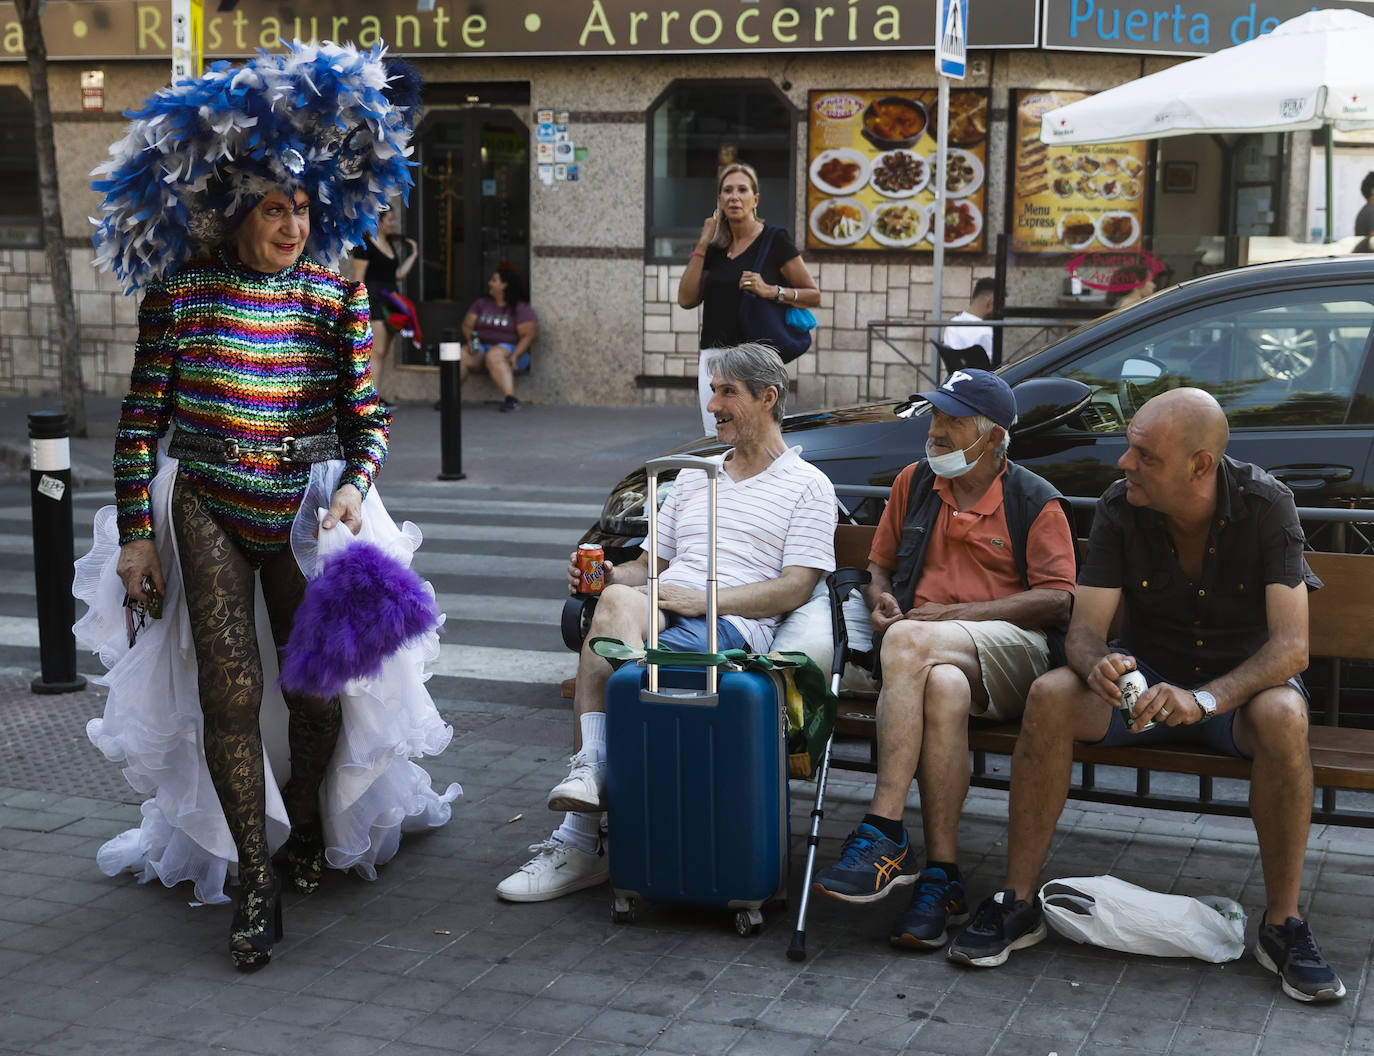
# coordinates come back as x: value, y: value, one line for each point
x: 954, y: 464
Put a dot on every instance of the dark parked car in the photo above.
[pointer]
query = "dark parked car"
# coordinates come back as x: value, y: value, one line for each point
x: 1283, y: 347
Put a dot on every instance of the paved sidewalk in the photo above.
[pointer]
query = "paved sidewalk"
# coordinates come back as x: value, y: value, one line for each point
x: 427, y: 960
x: 538, y: 446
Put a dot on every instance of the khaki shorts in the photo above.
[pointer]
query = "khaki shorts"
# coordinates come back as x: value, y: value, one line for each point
x: 1011, y: 658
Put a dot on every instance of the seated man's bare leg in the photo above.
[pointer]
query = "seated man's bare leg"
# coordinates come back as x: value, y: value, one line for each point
x: 1272, y: 730
x: 621, y: 613
x: 1060, y: 709
x: 922, y: 726
x: 930, y: 674
x: 574, y: 855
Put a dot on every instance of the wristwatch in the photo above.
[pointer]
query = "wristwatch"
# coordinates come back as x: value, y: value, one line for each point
x: 778, y: 296
x: 1206, y: 702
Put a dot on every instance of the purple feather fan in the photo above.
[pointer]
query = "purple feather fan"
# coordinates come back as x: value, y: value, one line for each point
x: 362, y: 607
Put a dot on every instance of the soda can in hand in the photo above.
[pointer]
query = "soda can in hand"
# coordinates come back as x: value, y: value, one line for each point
x: 1132, y: 684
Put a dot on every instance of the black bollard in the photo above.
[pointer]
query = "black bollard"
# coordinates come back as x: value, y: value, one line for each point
x: 50, y: 478
x: 451, y: 406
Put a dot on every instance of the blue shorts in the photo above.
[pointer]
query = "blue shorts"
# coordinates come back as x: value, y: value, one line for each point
x: 523, y: 363
x: 687, y: 634
x: 1216, y: 732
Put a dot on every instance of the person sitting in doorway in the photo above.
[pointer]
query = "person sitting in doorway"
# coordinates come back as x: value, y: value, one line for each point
x: 505, y: 327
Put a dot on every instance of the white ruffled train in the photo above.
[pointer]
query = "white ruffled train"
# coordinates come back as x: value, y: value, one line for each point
x: 373, y: 792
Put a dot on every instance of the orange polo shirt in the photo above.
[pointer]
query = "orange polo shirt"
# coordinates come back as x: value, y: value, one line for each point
x: 969, y: 555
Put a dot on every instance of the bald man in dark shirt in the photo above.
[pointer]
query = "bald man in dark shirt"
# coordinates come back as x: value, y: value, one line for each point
x: 1204, y: 554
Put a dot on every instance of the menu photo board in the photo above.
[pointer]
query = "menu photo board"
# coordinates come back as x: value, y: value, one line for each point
x: 1070, y: 198
x: 873, y: 166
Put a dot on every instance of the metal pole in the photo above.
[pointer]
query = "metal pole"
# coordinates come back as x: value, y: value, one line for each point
x: 50, y: 478
x: 1328, y: 224
x: 451, y: 406
x: 937, y: 291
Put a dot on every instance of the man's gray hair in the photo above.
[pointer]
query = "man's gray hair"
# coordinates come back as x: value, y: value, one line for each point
x: 754, y: 366
x: 984, y: 423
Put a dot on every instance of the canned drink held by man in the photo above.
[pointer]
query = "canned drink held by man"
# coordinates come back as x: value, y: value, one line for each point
x: 591, y: 560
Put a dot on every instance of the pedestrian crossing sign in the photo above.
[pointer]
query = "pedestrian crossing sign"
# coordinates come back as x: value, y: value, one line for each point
x: 951, y: 38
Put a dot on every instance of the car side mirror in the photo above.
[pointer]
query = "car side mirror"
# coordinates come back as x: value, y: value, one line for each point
x: 1043, y: 403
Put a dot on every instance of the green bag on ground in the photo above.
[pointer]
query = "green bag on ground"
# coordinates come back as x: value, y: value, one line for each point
x: 809, y: 705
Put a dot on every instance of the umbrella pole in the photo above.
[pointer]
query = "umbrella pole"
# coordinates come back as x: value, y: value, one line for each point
x: 1330, y: 234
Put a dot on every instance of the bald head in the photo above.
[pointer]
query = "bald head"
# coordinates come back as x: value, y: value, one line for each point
x: 1191, y: 418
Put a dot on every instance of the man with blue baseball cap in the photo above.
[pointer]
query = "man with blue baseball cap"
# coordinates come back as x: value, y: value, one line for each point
x: 973, y: 578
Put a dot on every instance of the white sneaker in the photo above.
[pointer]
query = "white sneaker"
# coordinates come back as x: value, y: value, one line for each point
x: 556, y: 869
x: 584, y: 789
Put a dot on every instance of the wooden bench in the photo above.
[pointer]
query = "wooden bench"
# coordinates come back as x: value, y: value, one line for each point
x: 1341, y: 627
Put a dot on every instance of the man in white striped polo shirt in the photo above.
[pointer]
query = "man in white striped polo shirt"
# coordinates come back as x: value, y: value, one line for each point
x: 775, y: 528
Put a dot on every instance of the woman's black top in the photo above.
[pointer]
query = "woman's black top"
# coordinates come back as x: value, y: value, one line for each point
x: 720, y: 319
x: 380, y: 275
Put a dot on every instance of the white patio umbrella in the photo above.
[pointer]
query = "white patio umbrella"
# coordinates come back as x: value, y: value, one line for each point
x: 1313, y: 70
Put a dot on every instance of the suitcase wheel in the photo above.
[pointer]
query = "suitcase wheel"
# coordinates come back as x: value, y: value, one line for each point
x: 577, y: 619
x: 748, y: 922
x: 624, y: 910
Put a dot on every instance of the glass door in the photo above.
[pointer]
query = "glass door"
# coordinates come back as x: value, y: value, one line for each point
x: 470, y: 210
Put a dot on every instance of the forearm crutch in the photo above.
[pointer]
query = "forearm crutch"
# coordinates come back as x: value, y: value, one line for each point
x: 840, y: 584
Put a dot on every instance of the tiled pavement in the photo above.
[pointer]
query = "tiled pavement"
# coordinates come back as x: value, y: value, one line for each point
x: 426, y: 959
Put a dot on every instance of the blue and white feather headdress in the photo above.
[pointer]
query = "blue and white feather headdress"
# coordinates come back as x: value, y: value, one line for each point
x: 327, y: 119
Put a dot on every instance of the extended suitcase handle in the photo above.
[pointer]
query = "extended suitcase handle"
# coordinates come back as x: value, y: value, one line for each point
x: 712, y: 469
x: 709, y: 466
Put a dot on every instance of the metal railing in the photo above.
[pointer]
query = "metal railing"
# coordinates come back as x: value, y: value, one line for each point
x: 925, y: 361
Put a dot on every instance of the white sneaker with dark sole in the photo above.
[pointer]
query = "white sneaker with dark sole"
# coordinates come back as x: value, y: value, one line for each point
x: 556, y: 869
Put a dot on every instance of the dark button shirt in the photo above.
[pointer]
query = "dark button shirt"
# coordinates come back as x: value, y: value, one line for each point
x: 1192, y: 632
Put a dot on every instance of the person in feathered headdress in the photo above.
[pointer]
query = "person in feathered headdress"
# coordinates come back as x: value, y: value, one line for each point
x: 227, y: 202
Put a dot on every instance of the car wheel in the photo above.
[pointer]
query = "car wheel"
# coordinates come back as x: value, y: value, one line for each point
x: 1286, y: 353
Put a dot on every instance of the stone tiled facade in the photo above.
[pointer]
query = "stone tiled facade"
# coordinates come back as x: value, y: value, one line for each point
x: 847, y: 362
x: 29, y: 356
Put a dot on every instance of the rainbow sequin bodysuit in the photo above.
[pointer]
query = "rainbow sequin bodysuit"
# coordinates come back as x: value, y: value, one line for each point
x: 236, y: 354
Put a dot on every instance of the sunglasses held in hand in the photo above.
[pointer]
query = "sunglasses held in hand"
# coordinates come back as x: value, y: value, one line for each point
x: 136, y: 612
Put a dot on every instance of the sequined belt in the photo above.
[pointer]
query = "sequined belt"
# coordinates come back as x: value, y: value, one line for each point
x: 199, y: 448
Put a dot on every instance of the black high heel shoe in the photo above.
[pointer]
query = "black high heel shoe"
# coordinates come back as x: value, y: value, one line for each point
x: 301, y: 858
x: 257, y: 924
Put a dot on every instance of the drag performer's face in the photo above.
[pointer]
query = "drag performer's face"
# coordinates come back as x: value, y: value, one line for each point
x: 273, y: 235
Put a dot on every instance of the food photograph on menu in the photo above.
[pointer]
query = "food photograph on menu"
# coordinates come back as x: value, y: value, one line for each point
x: 1069, y: 198
x: 873, y: 169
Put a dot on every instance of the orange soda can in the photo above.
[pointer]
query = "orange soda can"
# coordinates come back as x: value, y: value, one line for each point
x: 590, y: 561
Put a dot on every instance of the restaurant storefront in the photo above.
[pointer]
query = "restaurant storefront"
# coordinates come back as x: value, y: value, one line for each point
x: 579, y: 140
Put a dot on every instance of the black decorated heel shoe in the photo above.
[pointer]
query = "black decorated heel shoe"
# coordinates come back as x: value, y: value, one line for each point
x: 301, y: 858
x: 257, y: 924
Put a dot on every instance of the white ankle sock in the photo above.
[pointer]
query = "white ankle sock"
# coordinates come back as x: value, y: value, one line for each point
x: 593, y: 724
x: 579, y: 830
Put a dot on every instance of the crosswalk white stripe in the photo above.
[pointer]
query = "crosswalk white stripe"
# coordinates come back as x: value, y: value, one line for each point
x: 514, y: 665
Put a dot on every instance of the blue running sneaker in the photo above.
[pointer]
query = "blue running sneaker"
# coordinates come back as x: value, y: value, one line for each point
x: 1290, y: 952
x: 937, y: 903
x: 870, y: 866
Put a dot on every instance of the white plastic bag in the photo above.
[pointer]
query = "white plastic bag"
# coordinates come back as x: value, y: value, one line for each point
x: 1105, y: 911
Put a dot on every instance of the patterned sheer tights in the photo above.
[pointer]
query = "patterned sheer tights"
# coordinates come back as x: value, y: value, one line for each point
x: 218, y: 582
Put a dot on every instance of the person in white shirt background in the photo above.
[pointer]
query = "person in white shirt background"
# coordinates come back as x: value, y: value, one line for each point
x: 980, y: 306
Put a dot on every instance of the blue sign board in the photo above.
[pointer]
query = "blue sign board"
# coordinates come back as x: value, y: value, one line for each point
x: 951, y: 38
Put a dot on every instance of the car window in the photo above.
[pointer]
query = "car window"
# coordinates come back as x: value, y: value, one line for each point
x: 1286, y: 358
